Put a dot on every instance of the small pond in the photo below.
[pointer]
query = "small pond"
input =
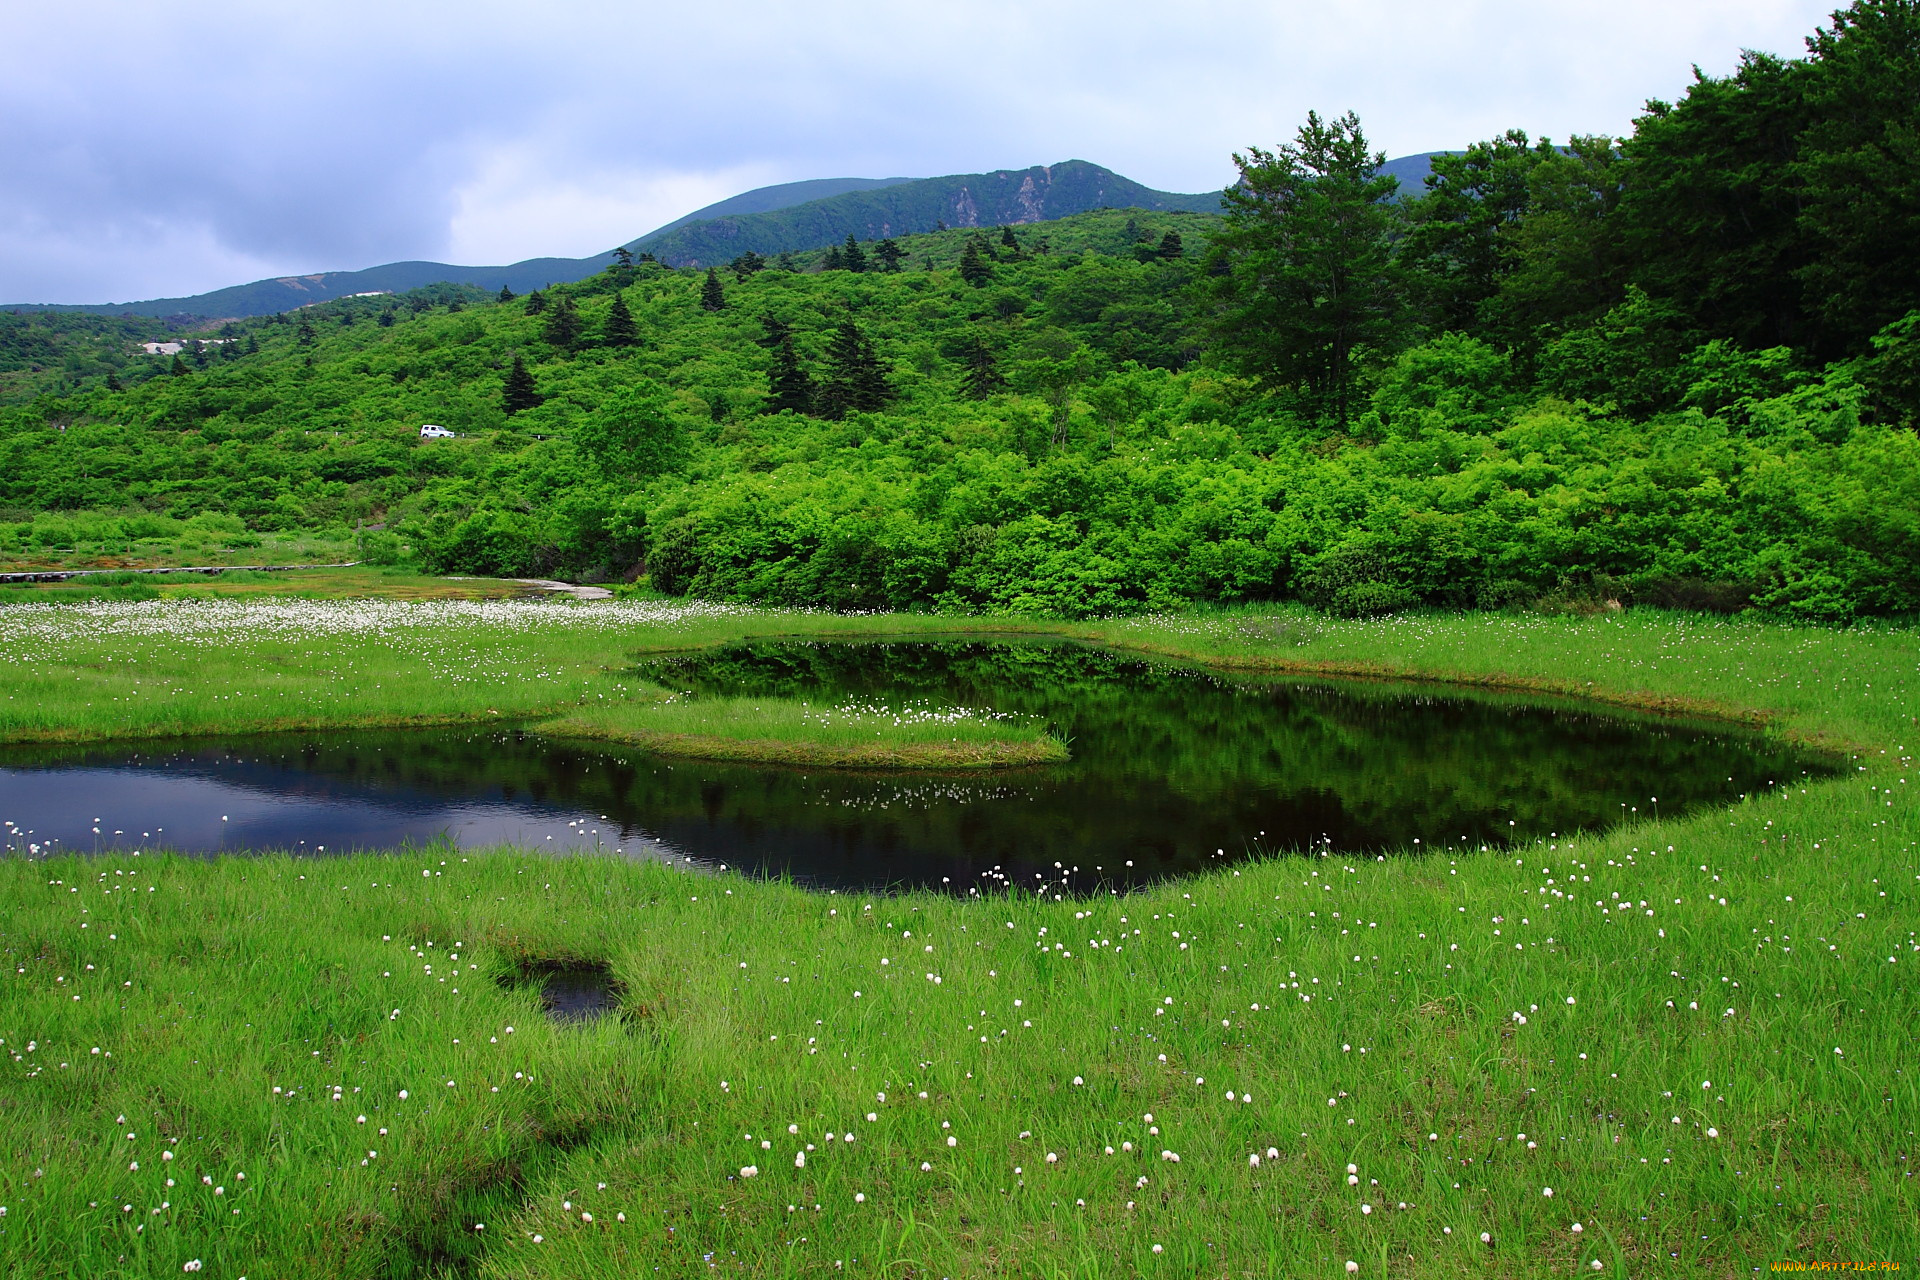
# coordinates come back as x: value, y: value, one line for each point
x: 1174, y: 769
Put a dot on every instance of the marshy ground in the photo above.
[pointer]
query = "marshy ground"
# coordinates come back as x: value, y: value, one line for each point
x: 1695, y: 1032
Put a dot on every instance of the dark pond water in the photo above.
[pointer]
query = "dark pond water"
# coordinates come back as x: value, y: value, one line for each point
x: 1173, y: 770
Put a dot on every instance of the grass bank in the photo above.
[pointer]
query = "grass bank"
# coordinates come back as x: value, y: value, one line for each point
x: 1698, y: 1033
x: 786, y: 731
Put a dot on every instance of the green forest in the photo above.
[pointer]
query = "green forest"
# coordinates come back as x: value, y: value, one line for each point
x: 1679, y: 368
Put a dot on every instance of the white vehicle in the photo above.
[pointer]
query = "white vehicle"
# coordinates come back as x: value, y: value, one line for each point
x: 431, y: 432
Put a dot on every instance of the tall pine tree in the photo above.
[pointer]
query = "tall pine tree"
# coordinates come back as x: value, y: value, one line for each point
x: 621, y: 330
x: 983, y: 376
x: 506, y: 294
x: 888, y: 255
x: 973, y: 266
x: 712, y: 296
x: 1303, y: 268
x: 789, y: 386
x: 518, y: 391
x: 564, y: 327
x: 855, y: 381
x: 853, y: 255
x: 536, y: 303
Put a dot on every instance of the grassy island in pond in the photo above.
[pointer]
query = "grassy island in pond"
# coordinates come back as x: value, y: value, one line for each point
x: 784, y: 731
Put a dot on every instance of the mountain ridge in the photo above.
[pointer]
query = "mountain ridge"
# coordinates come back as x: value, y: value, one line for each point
x: 784, y: 218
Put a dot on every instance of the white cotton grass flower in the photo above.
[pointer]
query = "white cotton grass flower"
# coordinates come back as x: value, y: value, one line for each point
x: 1253, y: 1161
x: 799, y: 1159
x: 1366, y: 1208
x: 1053, y: 1157
x: 749, y: 1170
x: 925, y: 1167
x: 859, y: 1197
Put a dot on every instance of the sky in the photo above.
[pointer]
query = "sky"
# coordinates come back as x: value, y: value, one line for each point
x: 165, y: 150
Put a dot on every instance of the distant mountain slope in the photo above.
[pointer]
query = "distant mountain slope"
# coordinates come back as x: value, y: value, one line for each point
x: 785, y: 195
x: 788, y: 217
x: 958, y: 200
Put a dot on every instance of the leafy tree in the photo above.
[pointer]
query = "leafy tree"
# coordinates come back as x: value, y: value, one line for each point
x: 1568, y: 262
x: 1306, y: 281
x: 631, y: 435
x: 983, y: 377
x: 565, y: 328
x: 621, y: 329
x: 536, y: 303
x: 1459, y: 239
x: 855, y: 382
x: 1053, y: 365
x: 789, y: 385
x: 518, y: 392
x: 973, y: 267
x: 712, y: 296
x: 505, y: 295
x: 888, y: 254
x: 853, y: 256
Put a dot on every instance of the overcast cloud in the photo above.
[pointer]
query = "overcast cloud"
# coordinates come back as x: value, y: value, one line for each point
x: 164, y: 150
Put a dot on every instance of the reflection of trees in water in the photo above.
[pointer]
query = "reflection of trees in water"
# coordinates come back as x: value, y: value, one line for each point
x: 1169, y: 765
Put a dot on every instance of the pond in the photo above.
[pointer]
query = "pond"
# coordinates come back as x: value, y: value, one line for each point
x: 1174, y: 769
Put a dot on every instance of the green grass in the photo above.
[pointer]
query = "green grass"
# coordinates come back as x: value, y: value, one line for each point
x: 787, y: 731
x: 214, y: 982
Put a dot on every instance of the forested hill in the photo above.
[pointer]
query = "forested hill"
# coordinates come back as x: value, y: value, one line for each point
x: 1679, y: 367
x: 1007, y: 196
x: 790, y: 217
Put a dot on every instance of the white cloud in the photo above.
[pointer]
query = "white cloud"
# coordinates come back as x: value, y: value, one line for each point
x: 161, y: 150
x: 520, y: 205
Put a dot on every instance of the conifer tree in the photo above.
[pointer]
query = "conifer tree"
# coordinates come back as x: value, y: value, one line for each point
x: 855, y: 381
x: 179, y: 367
x: 854, y: 256
x: 506, y: 294
x: 253, y: 345
x: 621, y: 330
x: 833, y: 261
x: 712, y: 296
x: 1170, y: 246
x: 385, y: 321
x: 199, y: 355
x: 306, y: 334
x: 113, y: 381
x: 564, y: 328
x: 973, y: 268
x: 789, y: 386
x: 888, y: 254
x: 519, y: 391
x: 786, y: 263
x: 1007, y: 239
x: 747, y: 264
x: 983, y: 376
x: 773, y: 332
x: 536, y: 303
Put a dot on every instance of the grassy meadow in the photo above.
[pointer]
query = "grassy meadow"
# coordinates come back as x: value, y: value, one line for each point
x: 1693, y: 1032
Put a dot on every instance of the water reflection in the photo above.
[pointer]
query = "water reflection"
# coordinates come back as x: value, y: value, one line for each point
x: 1173, y: 769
